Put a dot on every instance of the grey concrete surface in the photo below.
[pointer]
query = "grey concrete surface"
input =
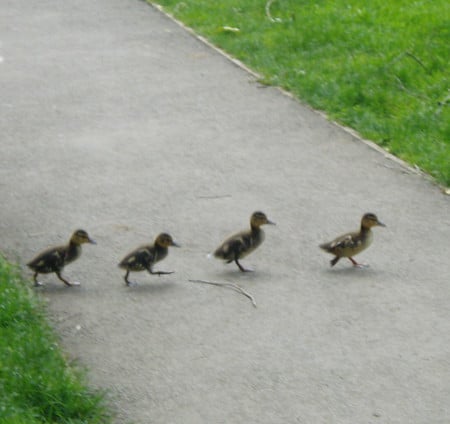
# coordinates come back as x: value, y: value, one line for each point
x: 116, y: 120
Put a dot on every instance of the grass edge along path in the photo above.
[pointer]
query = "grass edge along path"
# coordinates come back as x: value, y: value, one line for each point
x: 37, y: 384
x: 378, y: 68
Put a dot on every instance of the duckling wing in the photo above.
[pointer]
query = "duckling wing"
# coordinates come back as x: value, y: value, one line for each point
x: 343, y: 243
x: 139, y: 259
x: 50, y: 260
x: 236, y: 246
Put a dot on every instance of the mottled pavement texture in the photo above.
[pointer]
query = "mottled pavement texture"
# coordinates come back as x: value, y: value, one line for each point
x: 115, y: 119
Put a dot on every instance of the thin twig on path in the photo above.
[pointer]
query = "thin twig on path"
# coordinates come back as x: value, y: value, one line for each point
x: 232, y: 286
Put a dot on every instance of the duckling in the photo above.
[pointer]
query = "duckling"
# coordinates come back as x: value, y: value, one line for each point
x: 54, y: 259
x: 350, y: 244
x: 144, y: 257
x: 243, y: 243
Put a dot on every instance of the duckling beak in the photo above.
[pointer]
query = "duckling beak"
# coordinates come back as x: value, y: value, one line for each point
x: 175, y: 244
x: 270, y: 222
x: 381, y: 224
x: 92, y: 241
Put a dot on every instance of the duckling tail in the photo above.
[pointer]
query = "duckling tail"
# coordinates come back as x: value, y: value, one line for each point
x: 325, y: 246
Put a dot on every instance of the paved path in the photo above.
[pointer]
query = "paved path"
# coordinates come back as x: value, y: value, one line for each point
x: 116, y: 120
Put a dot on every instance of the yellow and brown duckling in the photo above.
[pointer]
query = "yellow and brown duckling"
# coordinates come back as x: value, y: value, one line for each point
x: 54, y: 259
x: 243, y: 243
x: 350, y: 244
x: 144, y: 257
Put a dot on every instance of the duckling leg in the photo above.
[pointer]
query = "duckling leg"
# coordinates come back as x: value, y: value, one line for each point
x: 67, y: 283
x: 357, y: 264
x: 241, y: 267
x: 36, y: 282
x: 127, y: 281
x: 334, y: 261
x: 159, y: 272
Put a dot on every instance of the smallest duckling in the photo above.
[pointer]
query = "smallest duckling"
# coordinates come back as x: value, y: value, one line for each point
x: 144, y: 257
x: 243, y: 243
x: 56, y: 258
x: 350, y: 244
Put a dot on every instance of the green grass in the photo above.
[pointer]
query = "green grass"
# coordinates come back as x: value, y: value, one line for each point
x: 378, y: 67
x: 37, y: 385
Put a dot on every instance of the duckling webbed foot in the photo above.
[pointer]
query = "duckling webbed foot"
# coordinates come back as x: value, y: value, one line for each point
x: 160, y: 272
x: 127, y: 281
x: 36, y: 282
x: 357, y: 264
x: 66, y: 282
x: 150, y: 270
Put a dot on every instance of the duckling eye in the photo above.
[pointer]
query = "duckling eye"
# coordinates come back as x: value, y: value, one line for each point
x: 166, y: 239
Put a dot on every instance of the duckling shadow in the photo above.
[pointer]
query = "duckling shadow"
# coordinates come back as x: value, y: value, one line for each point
x: 236, y: 275
x: 150, y: 287
x: 352, y: 272
x: 52, y: 288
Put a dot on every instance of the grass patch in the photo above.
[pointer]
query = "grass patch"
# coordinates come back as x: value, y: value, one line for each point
x: 378, y: 67
x: 36, y: 383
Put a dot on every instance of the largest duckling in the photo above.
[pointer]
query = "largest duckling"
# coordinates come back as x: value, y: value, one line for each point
x: 56, y: 258
x: 144, y: 257
x: 243, y: 243
x: 350, y: 244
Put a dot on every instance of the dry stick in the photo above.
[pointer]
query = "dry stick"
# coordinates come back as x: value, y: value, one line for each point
x: 230, y: 285
x: 268, y: 14
x: 409, y: 92
x: 408, y: 54
x: 417, y: 60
